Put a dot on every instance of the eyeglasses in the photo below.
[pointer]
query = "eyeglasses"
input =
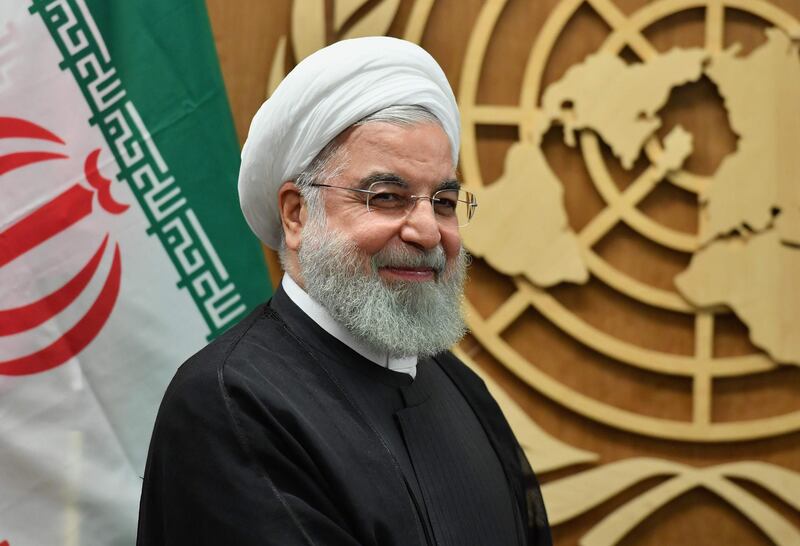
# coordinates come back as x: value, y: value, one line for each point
x: 451, y: 206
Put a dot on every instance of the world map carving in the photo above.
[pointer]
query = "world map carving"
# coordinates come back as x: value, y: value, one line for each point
x: 750, y: 207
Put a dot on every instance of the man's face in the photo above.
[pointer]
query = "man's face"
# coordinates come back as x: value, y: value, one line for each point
x: 417, y: 157
x: 394, y: 280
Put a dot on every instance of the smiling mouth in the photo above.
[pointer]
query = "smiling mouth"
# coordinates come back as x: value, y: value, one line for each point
x: 412, y: 274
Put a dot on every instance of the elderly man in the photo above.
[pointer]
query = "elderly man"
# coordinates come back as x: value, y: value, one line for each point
x: 334, y: 414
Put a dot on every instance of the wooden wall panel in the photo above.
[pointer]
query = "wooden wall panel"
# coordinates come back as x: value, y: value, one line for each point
x: 653, y: 414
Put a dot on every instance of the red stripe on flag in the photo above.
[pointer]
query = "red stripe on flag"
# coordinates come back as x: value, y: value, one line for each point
x: 21, y: 128
x: 9, y: 162
x: 77, y: 337
x: 46, y: 221
x: 19, y: 319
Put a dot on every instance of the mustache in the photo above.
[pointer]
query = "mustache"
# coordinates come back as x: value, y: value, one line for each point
x: 405, y: 256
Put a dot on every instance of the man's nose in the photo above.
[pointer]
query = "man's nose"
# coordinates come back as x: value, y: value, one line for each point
x: 420, y: 226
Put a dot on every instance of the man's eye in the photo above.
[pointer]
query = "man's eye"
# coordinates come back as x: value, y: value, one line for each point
x: 445, y: 205
x: 387, y: 199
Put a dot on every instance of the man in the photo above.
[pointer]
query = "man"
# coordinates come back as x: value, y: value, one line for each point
x: 334, y: 414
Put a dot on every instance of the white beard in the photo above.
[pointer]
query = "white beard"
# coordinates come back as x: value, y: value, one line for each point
x: 399, y: 318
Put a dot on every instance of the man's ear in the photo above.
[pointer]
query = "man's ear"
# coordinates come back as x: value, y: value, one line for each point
x: 293, y: 214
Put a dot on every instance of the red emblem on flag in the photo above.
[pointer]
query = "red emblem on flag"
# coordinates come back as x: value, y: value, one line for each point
x: 53, y: 217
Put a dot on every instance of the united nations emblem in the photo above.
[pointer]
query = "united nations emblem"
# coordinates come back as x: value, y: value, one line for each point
x: 748, y: 208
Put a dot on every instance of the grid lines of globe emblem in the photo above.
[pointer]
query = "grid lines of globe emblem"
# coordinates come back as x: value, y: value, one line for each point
x: 701, y: 368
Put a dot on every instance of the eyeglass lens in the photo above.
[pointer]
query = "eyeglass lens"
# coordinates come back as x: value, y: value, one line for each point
x: 450, y: 206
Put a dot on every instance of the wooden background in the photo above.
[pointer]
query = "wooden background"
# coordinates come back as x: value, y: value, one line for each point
x: 247, y: 33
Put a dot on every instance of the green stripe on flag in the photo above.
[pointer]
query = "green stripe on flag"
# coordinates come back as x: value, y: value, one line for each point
x: 149, y: 72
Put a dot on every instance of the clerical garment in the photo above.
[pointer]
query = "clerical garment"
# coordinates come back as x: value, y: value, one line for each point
x: 279, y: 434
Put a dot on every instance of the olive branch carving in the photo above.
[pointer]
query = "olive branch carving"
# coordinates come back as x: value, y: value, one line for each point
x: 571, y: 496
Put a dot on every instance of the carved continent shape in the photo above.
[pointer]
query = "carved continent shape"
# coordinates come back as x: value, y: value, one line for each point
x: 521, y: 225
x: 757, y: 278
x: 619, y: 101
x: 762, y: 95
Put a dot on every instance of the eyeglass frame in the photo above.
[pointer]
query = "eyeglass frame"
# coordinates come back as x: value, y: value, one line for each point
x: 471, y: 205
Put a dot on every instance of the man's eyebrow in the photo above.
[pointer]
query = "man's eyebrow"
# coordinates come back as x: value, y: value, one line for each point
x: 389, y: 178
x: 451, y: 184
x: 392, y: 178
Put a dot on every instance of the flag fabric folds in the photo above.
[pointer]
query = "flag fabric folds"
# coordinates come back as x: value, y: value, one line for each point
x: 122, y: 249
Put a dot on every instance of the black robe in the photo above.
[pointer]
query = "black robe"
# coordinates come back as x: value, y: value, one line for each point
x: 278, y: 434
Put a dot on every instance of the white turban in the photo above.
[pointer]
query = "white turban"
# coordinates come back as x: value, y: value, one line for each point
x: 324, y: 95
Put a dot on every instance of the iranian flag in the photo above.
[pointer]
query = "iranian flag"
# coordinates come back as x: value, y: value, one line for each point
x: 122, y: 249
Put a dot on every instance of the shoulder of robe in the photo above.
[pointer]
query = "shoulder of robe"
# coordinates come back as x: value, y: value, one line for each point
x: 257, y: 346
x: 205, y: 362
x: 259, y: 359
x: 196, y: 387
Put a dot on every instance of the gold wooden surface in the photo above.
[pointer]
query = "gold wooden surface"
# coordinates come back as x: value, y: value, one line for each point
x: 650, y: 422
